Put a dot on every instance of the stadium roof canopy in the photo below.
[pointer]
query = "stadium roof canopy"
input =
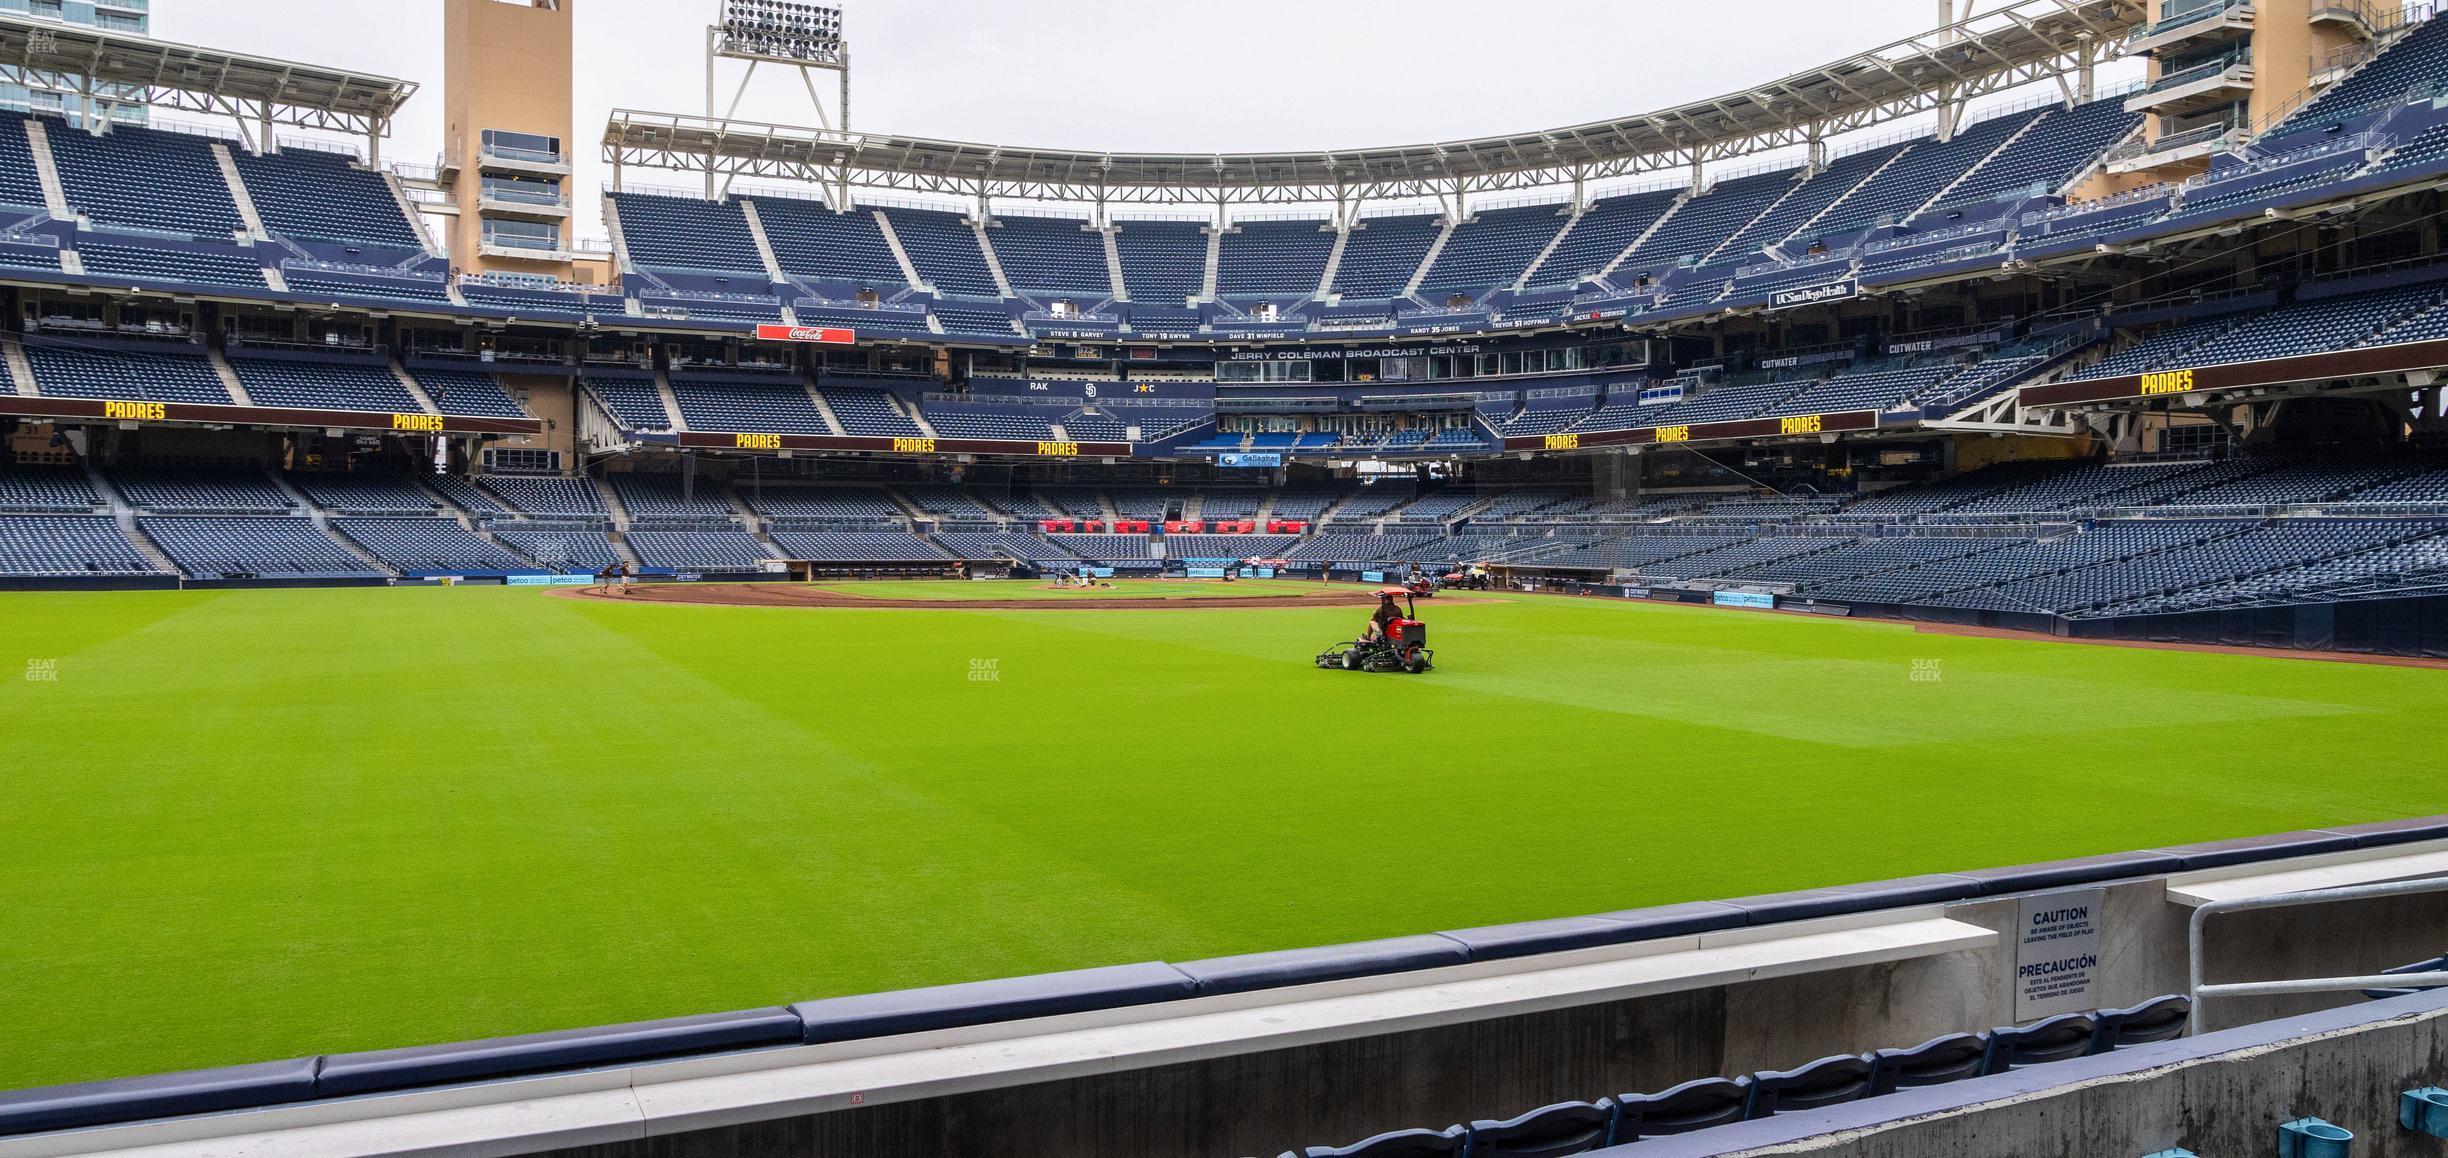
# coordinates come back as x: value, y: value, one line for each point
x: 49, y: 53
x: 2017, y: 43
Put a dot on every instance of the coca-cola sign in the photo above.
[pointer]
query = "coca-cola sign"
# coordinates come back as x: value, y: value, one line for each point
x: 827, y: 335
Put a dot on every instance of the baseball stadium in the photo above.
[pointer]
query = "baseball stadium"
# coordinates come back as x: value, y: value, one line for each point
x: 1895, y: 610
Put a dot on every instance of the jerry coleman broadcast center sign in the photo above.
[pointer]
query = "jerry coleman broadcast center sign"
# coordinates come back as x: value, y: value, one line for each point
x: 2057, y: 954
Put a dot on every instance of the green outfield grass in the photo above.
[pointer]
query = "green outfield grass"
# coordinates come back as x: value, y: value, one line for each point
x: 260, y: 824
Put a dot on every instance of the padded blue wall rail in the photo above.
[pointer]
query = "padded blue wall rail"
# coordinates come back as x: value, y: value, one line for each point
x: 1112, y: 987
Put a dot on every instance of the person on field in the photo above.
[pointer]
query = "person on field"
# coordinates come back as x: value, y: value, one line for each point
x: 1387, y: 612
x: 606, y: 577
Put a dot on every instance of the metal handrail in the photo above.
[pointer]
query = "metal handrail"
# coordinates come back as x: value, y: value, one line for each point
x: 2201, y: 917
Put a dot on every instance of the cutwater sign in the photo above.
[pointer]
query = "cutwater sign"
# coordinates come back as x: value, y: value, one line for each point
x: 1812, y: 295
x: 2057, y: 954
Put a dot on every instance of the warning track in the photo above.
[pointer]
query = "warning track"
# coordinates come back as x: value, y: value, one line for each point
x: 796, y: 595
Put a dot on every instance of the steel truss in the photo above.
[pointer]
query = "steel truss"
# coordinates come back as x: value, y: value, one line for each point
x: 2019, y: 43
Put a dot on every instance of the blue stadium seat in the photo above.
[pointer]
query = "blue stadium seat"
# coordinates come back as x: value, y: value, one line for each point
x: 2053, y: 1039
x: 1398, y: 1144
x: 2159, y: 1019
x: 1694, y: 1105
x: 1950, y: 1058
x: 1829, y: 1081
x: 1546, y: 1132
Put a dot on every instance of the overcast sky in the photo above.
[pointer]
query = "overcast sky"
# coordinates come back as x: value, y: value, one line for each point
x: 1126, y: 74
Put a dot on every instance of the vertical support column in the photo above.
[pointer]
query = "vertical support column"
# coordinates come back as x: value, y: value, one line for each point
x: 1697, y: 176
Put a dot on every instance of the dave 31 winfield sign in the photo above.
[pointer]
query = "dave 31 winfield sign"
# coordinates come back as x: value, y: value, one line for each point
x: 827, y: 335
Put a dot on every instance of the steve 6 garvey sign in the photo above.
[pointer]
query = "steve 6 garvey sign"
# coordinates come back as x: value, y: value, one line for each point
x: 828, y: 335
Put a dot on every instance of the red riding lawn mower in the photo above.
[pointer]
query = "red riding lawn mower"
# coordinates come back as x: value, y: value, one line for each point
x: 1403, y: 647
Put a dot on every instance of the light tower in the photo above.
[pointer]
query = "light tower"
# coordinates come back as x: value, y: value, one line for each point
x: 786, y: 33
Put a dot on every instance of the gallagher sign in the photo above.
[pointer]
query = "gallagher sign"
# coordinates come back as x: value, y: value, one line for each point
x: 827, y: 335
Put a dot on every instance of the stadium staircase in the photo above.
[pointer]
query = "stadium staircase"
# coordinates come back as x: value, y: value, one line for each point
x: 671, y: 401
x: 123, y: 515
x: 1113, y: 263
x: 1334, y: 264
x: 20, y: 370
x: 1791, y: 191
x: 1832, y: 206
x: 240, y: 195
x: 46, y: 167
x: 1628, y: 250
x: 416, y: 221
x: 909, y: 269
x: 621, y: 519
x: 1428, y: 260
x: 905, y: 410
x: 414, y: 388
x: 823, y: 408
x: 229, y: 376
x: 322, y: 521
x: 1215, y: 264
x: 764, y: 244
x: 994, y: 261
x: 1522, y: 282
x: 1939, y: 198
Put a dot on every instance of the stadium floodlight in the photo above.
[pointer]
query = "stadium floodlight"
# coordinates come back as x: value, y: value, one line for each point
x: 780, y: 31
x: 789, y: 33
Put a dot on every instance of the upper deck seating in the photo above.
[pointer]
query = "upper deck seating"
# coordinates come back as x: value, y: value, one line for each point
x: 1273, y: 257
x: 314, y: 195
x: 1061, y: 256
x: 1383, y: 253
x: 686, y: 233
x: 1163, y: 262
x: 810, y: 240
x: 144, y: 178
x: 944, y: 249
x: 1494, y: 247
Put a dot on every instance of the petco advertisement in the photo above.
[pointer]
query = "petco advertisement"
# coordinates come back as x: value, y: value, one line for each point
x: 2057, y: 954
x: 1746, y: 599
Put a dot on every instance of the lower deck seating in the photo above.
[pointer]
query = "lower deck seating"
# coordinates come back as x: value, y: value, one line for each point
x: 68, y: 546
x: 270, y: 548
x: 1023, y: 548
x: 731, y: 551
x: 430, y: 547
x: 857, y: 547
x: 566, y: 549
x: 1704, y: 1103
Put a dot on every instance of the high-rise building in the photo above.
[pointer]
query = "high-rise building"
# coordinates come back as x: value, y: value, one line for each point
x: 121, y: 103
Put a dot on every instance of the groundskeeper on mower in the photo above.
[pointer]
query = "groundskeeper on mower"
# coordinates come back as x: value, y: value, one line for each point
x: 1403, y: 646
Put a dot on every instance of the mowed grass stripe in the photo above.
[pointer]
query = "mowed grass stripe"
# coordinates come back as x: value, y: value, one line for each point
x: 327, y: 820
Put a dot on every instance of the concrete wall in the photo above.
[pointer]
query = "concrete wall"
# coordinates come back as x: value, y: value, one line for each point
x: 506, y: 64
x: 1265, y: 1103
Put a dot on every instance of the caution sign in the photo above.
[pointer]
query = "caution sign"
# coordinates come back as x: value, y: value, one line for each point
x: 2057, y: 954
